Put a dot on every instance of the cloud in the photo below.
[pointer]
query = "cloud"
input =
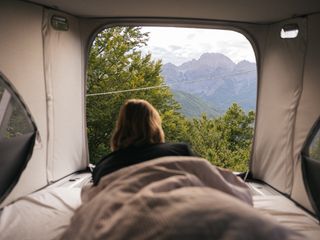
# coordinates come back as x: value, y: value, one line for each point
x: 191, y: 36
x: 186, y: 44
x: 166, y: 55
x: 175, y: 47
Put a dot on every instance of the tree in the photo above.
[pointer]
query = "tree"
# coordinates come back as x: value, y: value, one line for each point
x: 117, y: 63
x: 225, y: 141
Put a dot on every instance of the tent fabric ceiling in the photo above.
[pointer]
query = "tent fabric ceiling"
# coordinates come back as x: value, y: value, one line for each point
x: 228, y: 10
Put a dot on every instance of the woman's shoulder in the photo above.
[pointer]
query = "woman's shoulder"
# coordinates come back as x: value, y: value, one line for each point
x: 179, y: 148
x: 175, y: 144
x: 109, y: 157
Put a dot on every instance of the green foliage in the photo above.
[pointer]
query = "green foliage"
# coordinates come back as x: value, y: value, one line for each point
x: 117, y: 63
x: 19, y: 123
x: 193, y: 106
x: 314, y: 151
x: 16, y: 121
x: 226, y: 140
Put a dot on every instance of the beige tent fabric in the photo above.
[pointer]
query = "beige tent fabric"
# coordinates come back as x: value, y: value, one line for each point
x: 280, y: 87
x: 65, y: 97
x: 308, y: 110
x: 21, y: 61
x: 242, y: 11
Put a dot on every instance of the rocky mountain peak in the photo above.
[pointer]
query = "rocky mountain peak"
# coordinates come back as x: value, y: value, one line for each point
x: 214, y: 78
x: 209, y: 60
x: 214, y: 58
x: 244, y: 64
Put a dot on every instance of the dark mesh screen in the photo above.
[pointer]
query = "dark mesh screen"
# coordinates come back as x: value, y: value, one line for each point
x: 311, y: 167
x: 17, y: 137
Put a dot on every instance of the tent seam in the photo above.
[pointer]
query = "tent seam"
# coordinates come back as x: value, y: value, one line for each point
x: 44, y: 29
x: 260, y: 73
x: 298, y: 103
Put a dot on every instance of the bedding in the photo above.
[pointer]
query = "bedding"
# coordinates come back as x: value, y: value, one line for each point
x: 171, y: 198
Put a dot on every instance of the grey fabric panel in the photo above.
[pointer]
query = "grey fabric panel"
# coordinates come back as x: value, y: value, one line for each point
x: 308, y: 110
x: 280, y: 87
x: 21, y: 61
x: 65, y: 97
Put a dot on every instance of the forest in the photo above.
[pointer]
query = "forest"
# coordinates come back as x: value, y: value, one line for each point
x: 119, y: 70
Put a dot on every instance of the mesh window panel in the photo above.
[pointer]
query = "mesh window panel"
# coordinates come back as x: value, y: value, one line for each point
x: 17, y: 137
x: 314, y: 150
x: 311, y: 167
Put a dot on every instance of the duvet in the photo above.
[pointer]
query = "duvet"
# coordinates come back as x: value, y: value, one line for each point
x: 171, y: 198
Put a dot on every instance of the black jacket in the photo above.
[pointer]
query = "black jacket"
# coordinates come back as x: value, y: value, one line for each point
x: 133, y: 155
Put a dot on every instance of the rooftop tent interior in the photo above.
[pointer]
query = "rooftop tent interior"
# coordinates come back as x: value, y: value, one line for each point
x: 47, y: 67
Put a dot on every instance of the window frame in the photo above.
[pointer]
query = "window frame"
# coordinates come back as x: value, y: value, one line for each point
x: 241, y: 28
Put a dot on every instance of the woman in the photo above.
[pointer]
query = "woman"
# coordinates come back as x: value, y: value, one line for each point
x: 138, y: 137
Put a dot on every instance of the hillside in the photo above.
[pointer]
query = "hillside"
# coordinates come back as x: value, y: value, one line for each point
x: 192, y: 106
x: 216, y: 79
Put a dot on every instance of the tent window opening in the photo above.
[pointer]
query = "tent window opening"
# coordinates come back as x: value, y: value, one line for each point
x: 314, y: 150
x: 311, y: 167
x: 202, y: 81
x: 13, y: 118
x: 17, y: 137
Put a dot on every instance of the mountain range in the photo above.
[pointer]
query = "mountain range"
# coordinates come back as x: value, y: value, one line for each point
x: 214, y: 82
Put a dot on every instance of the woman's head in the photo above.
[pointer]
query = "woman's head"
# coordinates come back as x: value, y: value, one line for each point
x: 138, y: 124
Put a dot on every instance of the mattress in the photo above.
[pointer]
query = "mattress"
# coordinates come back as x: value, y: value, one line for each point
x: 283, y: 210
x: 44, y: 214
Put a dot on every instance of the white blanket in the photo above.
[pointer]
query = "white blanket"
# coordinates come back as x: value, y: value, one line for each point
x: 171, y: 198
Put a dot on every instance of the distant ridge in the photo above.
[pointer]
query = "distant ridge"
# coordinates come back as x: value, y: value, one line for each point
x: 215, y: 80
x: 193, y: 107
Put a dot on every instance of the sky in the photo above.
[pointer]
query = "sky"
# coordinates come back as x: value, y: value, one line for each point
x: 178, y: 45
